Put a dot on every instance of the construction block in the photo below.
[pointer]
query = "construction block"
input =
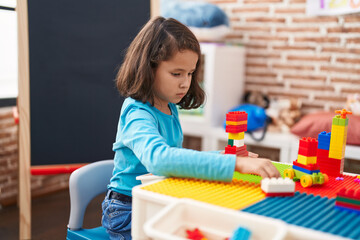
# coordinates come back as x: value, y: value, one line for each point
x: 324, y: 140
x: 348, y: 199
x: 231, y: 142
x: 348, y: 206
x: 236, y: 123
x: 322, y: 153
x: 349, y: 193
x: 347, y: 209
x: 336, y: 154
x: 338, y: 141
x: 236, y: 136
x: 305, y: 170
x: 236, y: 116
x: 306, y: 160
x: 309, y: 143
x: 236, y: 129
x: 239, y: 143
x: 337, y: 120
x: 236, y: 194
x: 310, y: 167
x: 343, y: 112
x: 194, y: 234
x: 230, y: 149
x: 241, y: 233
x: 331, y: 166
x: 307, y: 152
x: 241, y: 151
x: 278, y: 186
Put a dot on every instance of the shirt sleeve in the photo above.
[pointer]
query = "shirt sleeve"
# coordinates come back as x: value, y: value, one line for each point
x: 141, y: 135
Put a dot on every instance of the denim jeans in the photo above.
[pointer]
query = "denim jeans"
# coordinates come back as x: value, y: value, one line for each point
x: 116, y: 218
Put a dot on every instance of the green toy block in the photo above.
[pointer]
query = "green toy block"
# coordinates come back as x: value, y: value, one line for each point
x: 337, y: 120
x: 348, y: 200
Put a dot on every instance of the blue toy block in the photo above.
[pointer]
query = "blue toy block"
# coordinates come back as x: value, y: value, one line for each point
x: 350, y: 210
x: 324, y: 140
x: 305, y: 170
x: 241, y: 233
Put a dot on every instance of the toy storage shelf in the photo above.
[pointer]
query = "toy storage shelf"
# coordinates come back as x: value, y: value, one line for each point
x: 222, y: 78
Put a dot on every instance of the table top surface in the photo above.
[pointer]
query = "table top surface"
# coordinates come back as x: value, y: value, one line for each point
x: 312, y: 207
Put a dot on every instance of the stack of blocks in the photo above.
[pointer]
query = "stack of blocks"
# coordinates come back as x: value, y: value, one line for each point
x: 307, y: 160
x: 236, y: 126
x: 348, y: 199
x: 330, y: 166
x: 331, y: 150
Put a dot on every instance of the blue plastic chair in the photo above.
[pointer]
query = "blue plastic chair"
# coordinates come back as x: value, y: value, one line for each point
x: 85, y: 184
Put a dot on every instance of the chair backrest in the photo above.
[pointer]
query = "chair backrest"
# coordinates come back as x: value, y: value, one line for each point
x: 86, y: 183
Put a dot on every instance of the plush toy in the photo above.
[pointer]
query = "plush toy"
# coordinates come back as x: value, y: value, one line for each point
x: 285, y: 113
x: 353, y: 103
x: 207, y: 21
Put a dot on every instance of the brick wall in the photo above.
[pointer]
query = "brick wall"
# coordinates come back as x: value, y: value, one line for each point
x: 9, y: 158
x: 290, y: 54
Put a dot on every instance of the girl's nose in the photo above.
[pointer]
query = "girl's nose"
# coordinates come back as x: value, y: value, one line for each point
x: 186, y: 82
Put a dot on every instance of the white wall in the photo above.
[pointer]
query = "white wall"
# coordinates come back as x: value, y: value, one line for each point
x: 8, y: 53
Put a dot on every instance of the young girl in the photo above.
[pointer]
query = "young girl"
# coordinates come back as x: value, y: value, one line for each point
x: 159, y: 71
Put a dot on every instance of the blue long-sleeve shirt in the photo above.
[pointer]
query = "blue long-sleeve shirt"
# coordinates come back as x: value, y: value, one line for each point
x: 149, y: 140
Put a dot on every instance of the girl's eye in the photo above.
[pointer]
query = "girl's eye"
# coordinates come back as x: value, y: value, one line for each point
x: 190, y: 74
x: 175, y: 74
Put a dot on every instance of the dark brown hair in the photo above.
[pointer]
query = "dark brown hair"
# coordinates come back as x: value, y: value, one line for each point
x: 158, y: 41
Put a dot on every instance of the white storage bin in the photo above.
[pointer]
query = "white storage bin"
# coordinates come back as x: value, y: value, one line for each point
x: 214, y: 222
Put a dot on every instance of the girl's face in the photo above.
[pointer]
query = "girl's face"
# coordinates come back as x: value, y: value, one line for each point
x: 173, y: 79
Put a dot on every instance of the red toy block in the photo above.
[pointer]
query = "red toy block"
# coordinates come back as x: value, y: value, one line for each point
x: 236, y: 116
x: 322, y: 153
x: 281, y: 194
x: 347, y: 205
x: 236, y: 128
x: 349, y: 193
x: 230, y: 149
x: 309, y: 143
x: 194, y: 234
x: 241, y: 151
x: 310, y: 167
x: 307, y: 152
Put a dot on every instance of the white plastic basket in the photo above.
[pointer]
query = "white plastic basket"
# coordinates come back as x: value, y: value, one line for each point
x: 214, y: 222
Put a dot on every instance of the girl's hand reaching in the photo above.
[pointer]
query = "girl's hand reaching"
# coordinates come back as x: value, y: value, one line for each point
x: 258, y: 166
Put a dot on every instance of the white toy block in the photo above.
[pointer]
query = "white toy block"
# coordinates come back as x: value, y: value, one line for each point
x: 277, y: 185
x: 239, y: 143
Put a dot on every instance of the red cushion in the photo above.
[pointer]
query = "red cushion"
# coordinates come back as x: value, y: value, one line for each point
x: 312, y: 124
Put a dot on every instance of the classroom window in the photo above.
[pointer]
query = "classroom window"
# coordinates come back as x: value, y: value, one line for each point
x: 8, y: 50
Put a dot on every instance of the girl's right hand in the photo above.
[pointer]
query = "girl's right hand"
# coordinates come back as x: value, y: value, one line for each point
x: 258, y: 166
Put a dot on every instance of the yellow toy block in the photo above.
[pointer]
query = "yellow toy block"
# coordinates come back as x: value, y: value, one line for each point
x: 337, y: 154
x: 306, y: 160
x: 236, y: 123
x: 236, y: 195
x: 237, y: 136
x: 338, y: 141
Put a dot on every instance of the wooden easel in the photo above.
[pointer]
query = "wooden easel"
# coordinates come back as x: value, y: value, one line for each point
x: 24, y: 119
